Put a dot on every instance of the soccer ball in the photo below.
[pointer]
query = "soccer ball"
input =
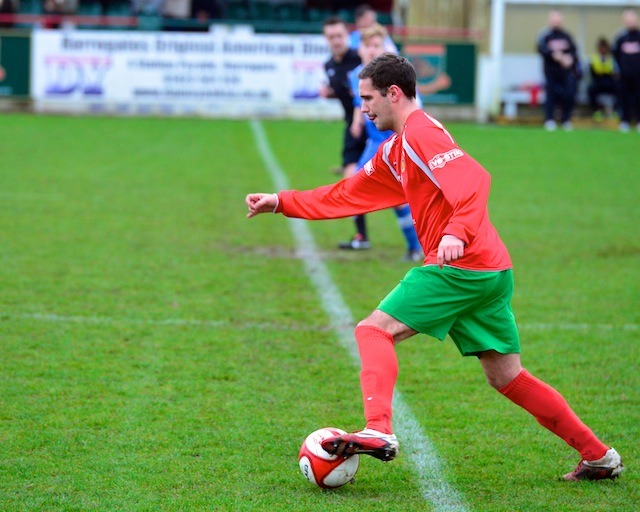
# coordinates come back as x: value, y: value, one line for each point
x: 320, y: 467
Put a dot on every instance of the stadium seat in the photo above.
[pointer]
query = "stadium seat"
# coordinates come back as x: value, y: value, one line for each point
x: 119, y: 8
x: 262, y: 10
x: 89, y: 8
x: 346, y: 15
x: 290, y: 11
x: 150, y: 22
x: 312, y: 14
x: 30, y: 7
x: 384, y: 18
x: 238, y: 10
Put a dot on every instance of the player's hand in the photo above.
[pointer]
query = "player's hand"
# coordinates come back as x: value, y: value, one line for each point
x: 567, y: 61
x: 450, y: 249
x: 325, y: 91
x: 261, y: 203
x: 557, y: 56
x: 356, y: 129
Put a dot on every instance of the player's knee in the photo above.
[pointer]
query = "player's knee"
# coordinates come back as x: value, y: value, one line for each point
x: 494, y: 381
x: 500, y: 369
x: 369, y: 322
x: 500, y: 378
x: 375, y: 319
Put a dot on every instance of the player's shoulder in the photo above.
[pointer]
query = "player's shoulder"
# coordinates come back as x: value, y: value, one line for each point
x: 352, y: 58
x: 543, y: 34
x: 419, y: 122
x: 353, y: 73
x: 424, y: 133
x: 566, y: 34
x: 621, y: 36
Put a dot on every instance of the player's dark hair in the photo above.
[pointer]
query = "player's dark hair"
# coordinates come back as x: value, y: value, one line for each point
x: 333, y: 20
x: 361, y: 10
x: 389, y: 69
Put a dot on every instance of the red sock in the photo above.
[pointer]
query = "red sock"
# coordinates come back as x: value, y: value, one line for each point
x: 553, y: 412
x: 377, y: 376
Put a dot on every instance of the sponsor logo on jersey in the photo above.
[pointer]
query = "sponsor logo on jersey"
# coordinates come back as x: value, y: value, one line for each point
x: 368, y: 168
x: 442, y: 159
x: 630, y: 47
x: 558, y: 45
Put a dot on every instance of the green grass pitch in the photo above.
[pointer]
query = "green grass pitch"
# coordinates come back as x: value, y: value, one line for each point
x: 161, y: 352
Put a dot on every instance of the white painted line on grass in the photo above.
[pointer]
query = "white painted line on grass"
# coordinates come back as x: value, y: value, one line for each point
x: 274, y: 326
x: 415, y: 443
x: 560, y: 326
x: 108, y: 320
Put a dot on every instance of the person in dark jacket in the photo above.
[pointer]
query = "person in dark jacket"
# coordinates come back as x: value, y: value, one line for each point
x: 561, y: 71
x: 626, y: 51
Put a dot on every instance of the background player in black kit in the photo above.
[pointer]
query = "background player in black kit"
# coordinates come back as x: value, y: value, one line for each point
x: 344, y: 59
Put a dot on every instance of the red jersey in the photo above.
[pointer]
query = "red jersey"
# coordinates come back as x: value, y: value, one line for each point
x: 446, y: 189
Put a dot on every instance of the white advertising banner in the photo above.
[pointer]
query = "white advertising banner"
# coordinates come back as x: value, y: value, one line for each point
x: 232, y: 73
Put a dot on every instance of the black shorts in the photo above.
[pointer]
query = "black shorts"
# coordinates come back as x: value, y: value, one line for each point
x: 352, y: 148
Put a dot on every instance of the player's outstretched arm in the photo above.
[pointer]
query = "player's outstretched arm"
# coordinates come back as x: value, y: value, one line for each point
x: 261, y: 203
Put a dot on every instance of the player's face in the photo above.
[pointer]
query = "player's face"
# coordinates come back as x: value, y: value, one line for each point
x: 337, y: 37
x: 555, y: 19
x: 630, y: 19
x: 376, y: 106
x: 366, y: 20
x: 370, y: 49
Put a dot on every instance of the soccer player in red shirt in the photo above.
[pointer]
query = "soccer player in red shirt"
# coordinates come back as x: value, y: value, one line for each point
x: 465, y: 286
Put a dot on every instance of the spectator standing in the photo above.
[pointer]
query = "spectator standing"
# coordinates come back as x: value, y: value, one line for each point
x: 205, y: 10
x: 344, y: 59
x: 626, y: 51
x: 365, y: 16
x: 176, y: 9
x: 57, y: 10
x: 561, y: 71
x: 603, y: 77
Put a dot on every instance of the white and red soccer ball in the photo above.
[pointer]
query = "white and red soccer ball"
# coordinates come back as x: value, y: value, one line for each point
x: 320, y: 467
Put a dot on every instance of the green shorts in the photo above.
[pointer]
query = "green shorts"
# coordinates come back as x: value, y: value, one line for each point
x: 474, y: 308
